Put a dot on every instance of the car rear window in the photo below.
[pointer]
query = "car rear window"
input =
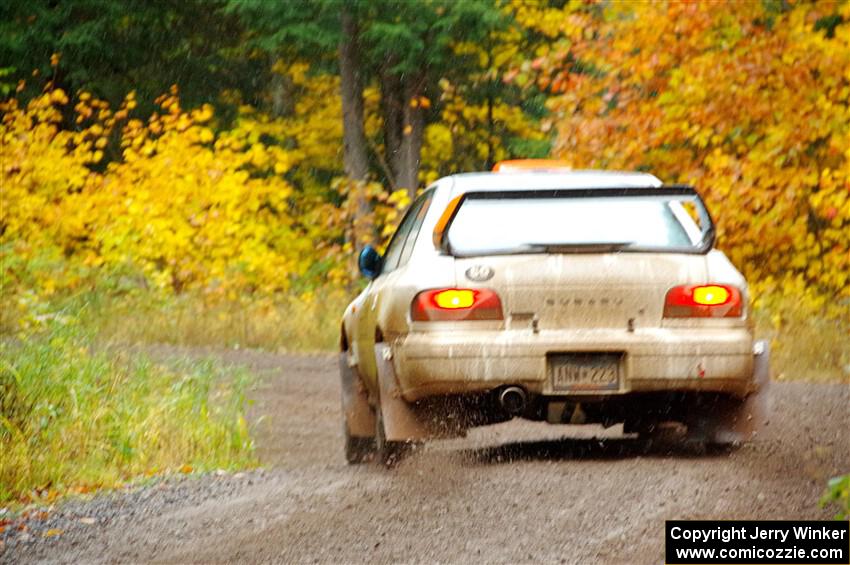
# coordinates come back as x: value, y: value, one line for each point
x: 564, y: 224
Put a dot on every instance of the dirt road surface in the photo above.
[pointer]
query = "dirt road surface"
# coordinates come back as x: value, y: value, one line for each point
x: 517, y: 492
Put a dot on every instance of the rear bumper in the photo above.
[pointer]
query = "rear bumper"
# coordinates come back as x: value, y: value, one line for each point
x: 662, y: 359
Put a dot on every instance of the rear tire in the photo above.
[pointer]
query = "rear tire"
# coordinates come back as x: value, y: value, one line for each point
x: 389, y: 453
x: 718, y: 426
x: 357, y: 449
x: 654, y: 434
x: 358, y: 418
x: 712, y: 435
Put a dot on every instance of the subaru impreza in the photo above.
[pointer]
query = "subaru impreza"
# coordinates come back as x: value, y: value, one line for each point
x: 570, y: 297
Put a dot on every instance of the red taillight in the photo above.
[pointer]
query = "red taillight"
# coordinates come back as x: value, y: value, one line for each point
x: 456, y: 304
x: 703, y: 301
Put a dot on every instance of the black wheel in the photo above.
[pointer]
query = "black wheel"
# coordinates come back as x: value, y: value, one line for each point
x: 356, y: 411
x: 645, y: 428
x: 648, y: 431
x: 662, y: 435
x: 357, y: 449
x: 712, y: 436
x: 718, y: 427
x: 389, y: 453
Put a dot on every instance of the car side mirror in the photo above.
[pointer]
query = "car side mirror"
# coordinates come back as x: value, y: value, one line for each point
x: 370, y: 262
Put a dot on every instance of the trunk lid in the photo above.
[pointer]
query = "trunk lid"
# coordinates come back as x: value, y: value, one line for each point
x: 584, y: 290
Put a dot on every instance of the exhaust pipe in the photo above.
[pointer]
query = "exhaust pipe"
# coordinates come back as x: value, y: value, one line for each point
x: 513, y: 400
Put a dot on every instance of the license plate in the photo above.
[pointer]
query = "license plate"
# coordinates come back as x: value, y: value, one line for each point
x: 585, y: 371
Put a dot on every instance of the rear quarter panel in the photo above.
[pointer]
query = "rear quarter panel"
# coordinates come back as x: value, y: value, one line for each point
x: 384, y: 307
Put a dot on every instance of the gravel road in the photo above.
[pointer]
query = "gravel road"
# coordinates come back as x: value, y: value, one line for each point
x: 517, y: 492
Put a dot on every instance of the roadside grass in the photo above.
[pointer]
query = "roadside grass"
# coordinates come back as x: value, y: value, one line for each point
x: 805, y: 345
x: 305, y: 322
x: 837, y: 497
x: 74, y: 419
x: 82, y: 407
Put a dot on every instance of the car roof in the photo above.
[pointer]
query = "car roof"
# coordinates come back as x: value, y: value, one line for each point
x: 550, y: 180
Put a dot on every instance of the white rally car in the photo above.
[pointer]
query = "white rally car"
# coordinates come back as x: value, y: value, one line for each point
x: 553, y: 295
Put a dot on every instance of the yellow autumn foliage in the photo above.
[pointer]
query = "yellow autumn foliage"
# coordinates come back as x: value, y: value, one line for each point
x: 185, y: 206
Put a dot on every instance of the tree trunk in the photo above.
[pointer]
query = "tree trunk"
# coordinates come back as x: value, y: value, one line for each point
x: 355, y: 157
x: 282, y: 99
x: 491, y: 157
x: 392, y: 106
x: 411, y: 139
x: 490, y: 133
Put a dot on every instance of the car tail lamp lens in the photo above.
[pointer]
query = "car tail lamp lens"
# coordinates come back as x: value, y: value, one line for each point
x: 455, y: 298
x: 712, y: 295
x: 456, y: 304
x: 703, y: 301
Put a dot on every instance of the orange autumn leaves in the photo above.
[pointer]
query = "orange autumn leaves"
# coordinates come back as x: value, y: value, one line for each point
x: 749, y: 102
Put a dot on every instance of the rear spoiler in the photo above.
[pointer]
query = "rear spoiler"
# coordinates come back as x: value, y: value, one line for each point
x: 441, y: 229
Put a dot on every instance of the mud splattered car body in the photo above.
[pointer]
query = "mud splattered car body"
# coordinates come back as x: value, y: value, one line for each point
x: 569, y: 297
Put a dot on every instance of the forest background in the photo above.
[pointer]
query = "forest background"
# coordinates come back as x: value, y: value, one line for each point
x: 203, y: 172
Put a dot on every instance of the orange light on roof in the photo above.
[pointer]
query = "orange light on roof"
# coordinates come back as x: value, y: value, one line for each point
x: 455, y: 298
x: 526, y: 165
x: 711, y: 295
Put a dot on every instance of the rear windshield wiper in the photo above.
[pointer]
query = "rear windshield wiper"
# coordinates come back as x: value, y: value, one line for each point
x: 585, y: 247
